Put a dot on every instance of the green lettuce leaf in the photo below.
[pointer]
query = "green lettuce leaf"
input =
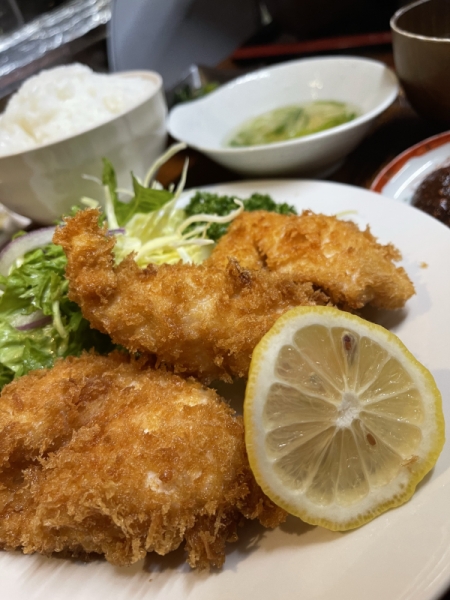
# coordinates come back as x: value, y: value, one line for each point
x: 150, y: 225
x: 144, y: 201
x: 109, y: 179
x: 39, y: 284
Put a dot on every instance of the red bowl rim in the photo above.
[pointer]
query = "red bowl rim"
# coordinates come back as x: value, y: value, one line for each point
x: 393, y: 167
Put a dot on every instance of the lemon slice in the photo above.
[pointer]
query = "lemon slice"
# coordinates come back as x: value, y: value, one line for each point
x: 341, y: 421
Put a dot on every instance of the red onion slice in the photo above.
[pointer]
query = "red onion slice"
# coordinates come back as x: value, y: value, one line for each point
x: 32, y: 321
x: 23, y: 244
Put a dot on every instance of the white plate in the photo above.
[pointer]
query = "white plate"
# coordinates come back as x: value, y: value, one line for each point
x: 402, y: 176
x: 403, y: 554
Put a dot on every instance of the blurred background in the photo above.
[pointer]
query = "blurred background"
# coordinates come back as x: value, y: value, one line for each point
x: 196, y: 44
x: 14, y: 13
x: 36, y: 34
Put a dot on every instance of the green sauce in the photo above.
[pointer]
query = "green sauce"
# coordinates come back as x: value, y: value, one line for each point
x: 291, y: 122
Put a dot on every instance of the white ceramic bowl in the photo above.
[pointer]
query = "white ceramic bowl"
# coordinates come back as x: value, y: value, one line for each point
x: 207, y: 123
x: 45, y: 182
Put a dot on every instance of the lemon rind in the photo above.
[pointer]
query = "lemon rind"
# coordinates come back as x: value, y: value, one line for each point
x: 343, y: 518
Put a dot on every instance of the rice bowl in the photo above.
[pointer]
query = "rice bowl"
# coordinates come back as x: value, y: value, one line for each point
x: 44, y: 180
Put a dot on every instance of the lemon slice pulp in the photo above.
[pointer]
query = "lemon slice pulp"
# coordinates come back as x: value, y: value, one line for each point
x: 341, y: 421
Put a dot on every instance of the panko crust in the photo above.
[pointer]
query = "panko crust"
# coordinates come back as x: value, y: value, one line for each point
x: 348, y: 264
x: 138, y: 460
x: 202, y: 320
x: 205, y: 320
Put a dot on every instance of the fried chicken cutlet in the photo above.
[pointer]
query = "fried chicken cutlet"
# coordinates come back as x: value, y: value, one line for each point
x: 348, y: 264
x: 202, y: 320
x: 100, y: 455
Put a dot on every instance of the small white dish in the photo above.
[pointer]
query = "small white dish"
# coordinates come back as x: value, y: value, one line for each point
x: 402, y: 176
x: 207, y: 123
x: 43, y: 183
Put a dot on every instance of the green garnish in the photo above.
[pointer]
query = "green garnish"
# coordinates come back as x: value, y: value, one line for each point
x: 206, y: 202
x: 38, y: 322
x: 154, y: 228
x: 144, y: 201
x: 39, y: 284
x: 187, y: 93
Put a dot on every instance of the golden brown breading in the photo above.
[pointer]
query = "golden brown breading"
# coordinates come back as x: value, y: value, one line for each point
x: 348, y: 264
x: 201, y: 319
x: 101, y: 455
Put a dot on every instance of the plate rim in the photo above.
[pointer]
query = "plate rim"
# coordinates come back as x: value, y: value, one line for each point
x: 387, y: 172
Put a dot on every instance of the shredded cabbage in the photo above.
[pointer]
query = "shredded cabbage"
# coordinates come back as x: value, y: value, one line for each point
x: 162, y: 235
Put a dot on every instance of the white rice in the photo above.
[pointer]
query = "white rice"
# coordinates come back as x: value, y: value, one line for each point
x: 65, y: 101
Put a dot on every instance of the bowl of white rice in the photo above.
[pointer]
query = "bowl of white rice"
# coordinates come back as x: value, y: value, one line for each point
x: 56, y: 130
